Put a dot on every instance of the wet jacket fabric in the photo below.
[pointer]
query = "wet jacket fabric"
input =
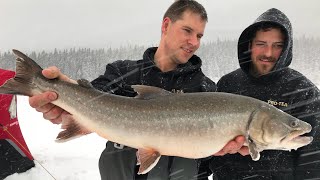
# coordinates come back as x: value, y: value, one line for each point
x: 118, y: 162
x: 286, y: 89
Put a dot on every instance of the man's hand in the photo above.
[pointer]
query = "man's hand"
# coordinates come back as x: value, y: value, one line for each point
x: 42, y: 102
x: 233, y: 147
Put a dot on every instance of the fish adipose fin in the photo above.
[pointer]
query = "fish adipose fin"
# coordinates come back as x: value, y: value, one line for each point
x: 26, y: 71
x: 147, y: 159
x: 149, y: 92
x: 84, y: 83
x: 71, y: 130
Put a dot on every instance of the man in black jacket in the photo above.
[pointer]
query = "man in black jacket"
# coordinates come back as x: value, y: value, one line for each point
x: 264, y: 53
x: 172, y: 66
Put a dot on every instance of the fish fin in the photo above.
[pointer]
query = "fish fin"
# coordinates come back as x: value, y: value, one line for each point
x: 254, y: 151
x: 147, y: 158
x: 71, y: 130
x: 84, y: 83
x: 26, y: 71
x: 149, y: 92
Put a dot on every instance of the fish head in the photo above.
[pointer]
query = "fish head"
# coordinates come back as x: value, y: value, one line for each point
x: 271, y: 128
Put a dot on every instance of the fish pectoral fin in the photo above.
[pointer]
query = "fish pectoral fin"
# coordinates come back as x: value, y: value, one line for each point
x: 254, y: 151
x: 71, y: 130
x: 147, y: 158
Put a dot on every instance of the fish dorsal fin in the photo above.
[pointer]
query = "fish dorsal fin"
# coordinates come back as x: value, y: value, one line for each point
x: 149, y: 92
x: 147, y: 159
x: 84, y: 83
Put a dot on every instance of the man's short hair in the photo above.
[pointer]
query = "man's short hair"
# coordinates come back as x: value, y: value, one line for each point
x: 176, y: 10
x: 267, y: 26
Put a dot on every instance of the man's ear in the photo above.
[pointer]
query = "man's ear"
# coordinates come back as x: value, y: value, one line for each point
x: 165, y: 24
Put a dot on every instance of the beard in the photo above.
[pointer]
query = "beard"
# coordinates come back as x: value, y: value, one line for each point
x: 265, y: 69
x: 259, y: 69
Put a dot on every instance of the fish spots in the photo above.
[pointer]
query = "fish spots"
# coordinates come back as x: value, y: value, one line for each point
x: 209, y: 125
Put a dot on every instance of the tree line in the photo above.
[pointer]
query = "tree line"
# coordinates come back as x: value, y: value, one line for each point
x: 219, y: 57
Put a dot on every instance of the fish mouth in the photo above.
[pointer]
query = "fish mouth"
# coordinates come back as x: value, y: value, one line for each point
x: 297, y: 138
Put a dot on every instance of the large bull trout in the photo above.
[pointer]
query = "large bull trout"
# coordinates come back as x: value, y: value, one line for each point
x: 157, y: 122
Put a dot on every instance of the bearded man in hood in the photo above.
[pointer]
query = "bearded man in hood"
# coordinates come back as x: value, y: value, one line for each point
x: 264, y: 53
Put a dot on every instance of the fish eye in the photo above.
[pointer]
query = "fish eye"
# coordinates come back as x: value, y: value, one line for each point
x: 294, y: 124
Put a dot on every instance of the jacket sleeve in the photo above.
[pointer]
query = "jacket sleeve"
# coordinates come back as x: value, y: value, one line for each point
x: 114, y: 80
x: 308, y: 157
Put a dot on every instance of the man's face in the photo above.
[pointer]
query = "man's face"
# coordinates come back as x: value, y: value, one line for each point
x: 182, y: 37
x: 266, y: 49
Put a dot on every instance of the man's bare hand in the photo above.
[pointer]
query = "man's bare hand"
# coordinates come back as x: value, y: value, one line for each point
x: 42, y: 102
x: 233, y: 147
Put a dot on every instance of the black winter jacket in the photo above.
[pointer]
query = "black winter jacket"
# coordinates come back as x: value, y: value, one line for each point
x: 289, y: 91
x: 118, y: 162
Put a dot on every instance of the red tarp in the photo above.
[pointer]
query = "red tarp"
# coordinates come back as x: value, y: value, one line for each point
x: 9, y: 124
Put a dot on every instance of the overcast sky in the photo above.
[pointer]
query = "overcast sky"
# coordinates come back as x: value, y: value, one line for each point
x: 46, y: 24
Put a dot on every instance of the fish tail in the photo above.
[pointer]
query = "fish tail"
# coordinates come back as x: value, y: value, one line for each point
x: 26, y: 71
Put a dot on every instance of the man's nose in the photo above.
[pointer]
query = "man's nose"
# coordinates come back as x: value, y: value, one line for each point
x: 194, y: 40
x: 268, y: 51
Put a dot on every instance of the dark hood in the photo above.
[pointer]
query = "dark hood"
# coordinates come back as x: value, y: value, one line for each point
x: 194, y: 63
x: 274, y: 16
